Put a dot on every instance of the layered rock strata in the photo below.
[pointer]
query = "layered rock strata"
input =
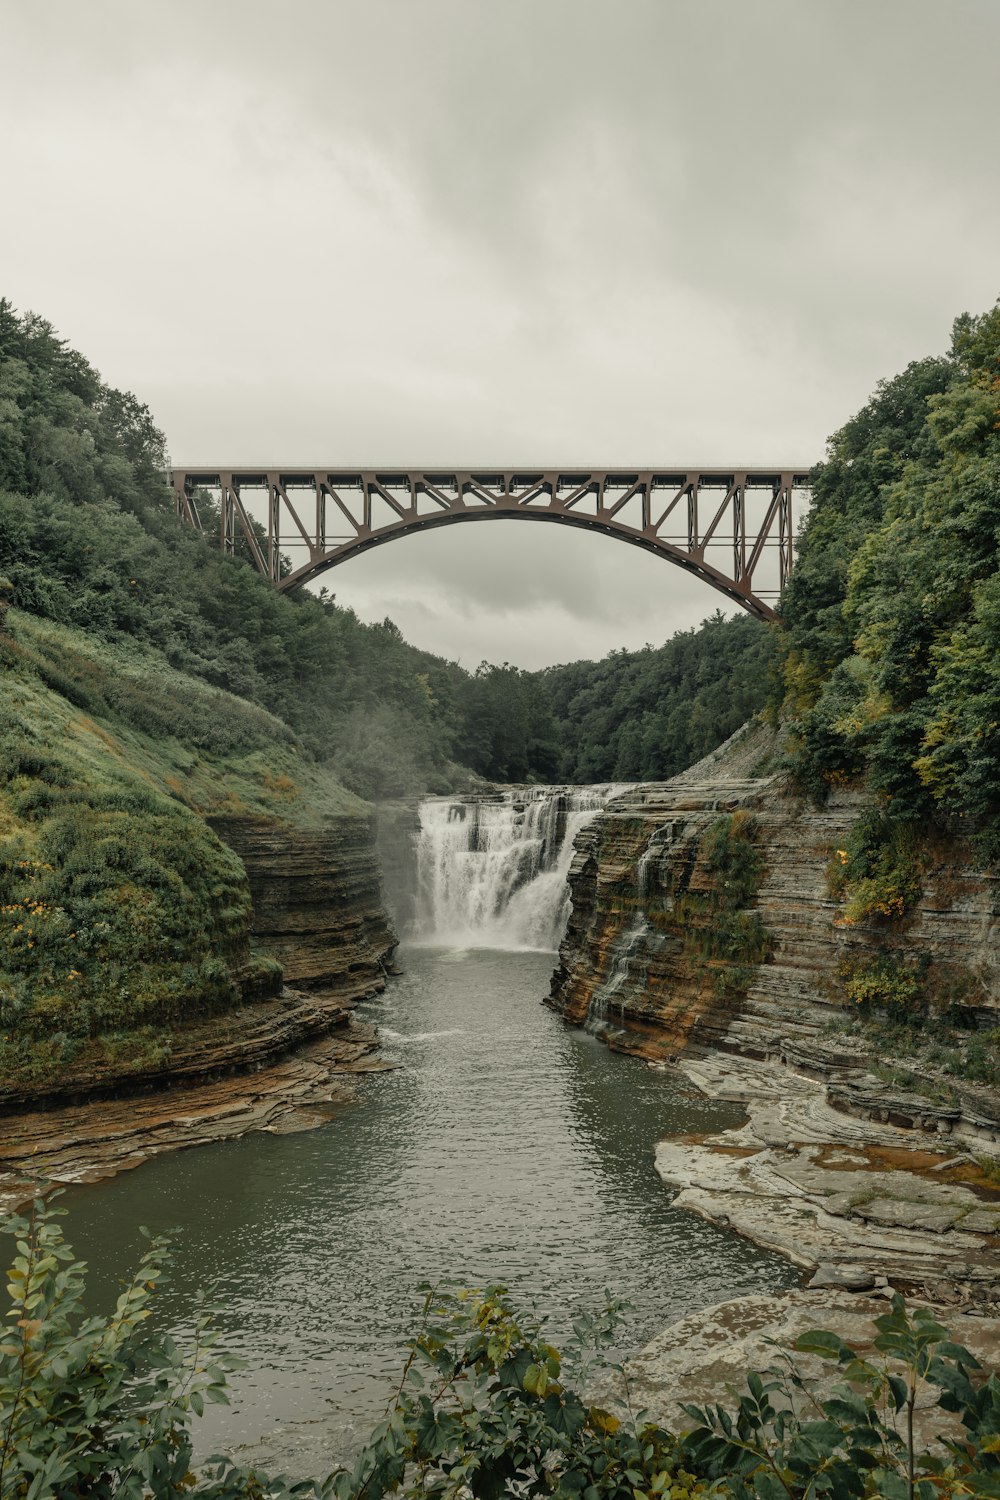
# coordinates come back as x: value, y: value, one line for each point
x: 316, y: 909
x: 317, y: 901
x: 624, y: 971
x: 838, y: 1166
x: 862, y: 1200
x: 87, y: 1142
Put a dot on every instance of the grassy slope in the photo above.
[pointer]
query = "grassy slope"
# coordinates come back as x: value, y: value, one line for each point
x: 122, y: 912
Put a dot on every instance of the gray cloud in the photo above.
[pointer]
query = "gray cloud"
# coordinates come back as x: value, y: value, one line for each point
x: 452, y: 231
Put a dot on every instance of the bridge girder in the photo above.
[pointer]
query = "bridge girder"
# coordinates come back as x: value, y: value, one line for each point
x: 681, y: 514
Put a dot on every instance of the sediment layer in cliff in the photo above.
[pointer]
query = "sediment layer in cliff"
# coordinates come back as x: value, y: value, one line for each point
x: 624, y: 968
x: 95, y: 1139
x: 316, y: 910
x: 317, y: 902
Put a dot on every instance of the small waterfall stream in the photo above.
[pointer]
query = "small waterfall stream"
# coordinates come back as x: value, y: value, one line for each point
x: 638, y: 942
x: 491, y: 870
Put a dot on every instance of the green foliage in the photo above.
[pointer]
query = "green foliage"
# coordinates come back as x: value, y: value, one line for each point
x: 883, y: 983
x: 942, y: 1044
x: 508, y: 732
x: 892, y: 615
x: 707, y: 909
x: 646, y: 715
x: 123, y: 915
x: 732, y: 855
x: 484, y: 1409
x: 879, y: 873
x: 105, y: 1407
x: 786, y: 1440
x: 99, y: 1406
x: 96, y: 546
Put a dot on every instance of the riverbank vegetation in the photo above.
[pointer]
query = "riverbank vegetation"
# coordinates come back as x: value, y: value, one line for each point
x: 486, y: 1407
x: 123, y: 913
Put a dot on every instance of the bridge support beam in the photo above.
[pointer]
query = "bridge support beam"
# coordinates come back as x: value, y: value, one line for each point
x: 732, y: 527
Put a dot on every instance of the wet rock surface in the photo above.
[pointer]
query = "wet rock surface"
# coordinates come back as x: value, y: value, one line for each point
x: 97, y: 1139
x: 317, y: 901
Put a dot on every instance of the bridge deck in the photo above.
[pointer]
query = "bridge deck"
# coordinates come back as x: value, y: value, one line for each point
x: 723, y: 523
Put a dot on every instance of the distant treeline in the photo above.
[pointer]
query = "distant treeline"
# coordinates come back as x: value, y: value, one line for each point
x: 88, y: 539
x: 636, y: 715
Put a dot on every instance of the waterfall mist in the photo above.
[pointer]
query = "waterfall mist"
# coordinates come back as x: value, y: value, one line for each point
x: 491, y: 870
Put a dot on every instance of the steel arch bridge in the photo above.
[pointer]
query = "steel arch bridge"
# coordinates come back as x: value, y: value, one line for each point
x: 721, y: 524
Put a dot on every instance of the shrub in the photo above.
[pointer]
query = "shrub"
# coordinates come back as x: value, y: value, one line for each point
x: 713, y: 924
x: 97, y: 1406
x: 879, y: 874
x: 883, y: 984
x: 104, y: 1407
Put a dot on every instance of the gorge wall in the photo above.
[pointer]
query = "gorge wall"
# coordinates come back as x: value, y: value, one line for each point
x: 658, y: 957
x: 320, y: 942
x: 317, y: 901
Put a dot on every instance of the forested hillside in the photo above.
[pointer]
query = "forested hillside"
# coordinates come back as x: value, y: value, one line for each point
x: 892, y: 616
x: 97, y: 547
x: 646, y: 715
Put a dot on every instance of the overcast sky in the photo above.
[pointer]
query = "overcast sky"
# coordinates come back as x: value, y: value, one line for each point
x: 453, y: 232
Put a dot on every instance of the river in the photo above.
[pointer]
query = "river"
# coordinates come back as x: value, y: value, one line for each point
x: 504, y: 1147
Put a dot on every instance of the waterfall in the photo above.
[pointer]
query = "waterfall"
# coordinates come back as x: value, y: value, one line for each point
x: 627, y: 947
x: 633, y: 947
x: 491, y: 869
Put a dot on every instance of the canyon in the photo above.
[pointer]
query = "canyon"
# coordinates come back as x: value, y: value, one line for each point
x: 669, y: 953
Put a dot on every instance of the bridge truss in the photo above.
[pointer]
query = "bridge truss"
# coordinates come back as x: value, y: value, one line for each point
x: 731, y: 527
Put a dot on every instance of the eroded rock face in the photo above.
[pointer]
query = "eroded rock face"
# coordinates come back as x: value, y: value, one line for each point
x: 705, y: 1357
x: 618, y: 970
x: 317, y: 910
x: 92, y: 1140
x: 825, y: 1189
x: 317, y: 903
x: 274, y: 1061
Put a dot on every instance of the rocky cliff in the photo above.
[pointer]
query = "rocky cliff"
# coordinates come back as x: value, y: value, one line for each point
x: 658, y: 957
x: 317, y: 902
x: 321, y: 941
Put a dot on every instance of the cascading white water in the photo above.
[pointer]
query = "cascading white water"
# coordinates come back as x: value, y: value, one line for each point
x: 628, y: 946
x: 491, y: 871
x: 632, y: 948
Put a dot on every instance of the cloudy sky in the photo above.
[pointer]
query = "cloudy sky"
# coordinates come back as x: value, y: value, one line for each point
x: 462, y: 232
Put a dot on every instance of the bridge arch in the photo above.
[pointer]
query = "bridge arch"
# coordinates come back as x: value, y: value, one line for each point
x: 723, y: 525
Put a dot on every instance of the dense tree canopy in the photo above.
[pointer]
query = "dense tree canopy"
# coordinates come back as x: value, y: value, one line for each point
x: 641, y: 715
x: 99, y: 548
x: 892, y: 615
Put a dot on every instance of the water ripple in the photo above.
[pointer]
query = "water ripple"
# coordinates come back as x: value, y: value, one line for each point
x: 505, y: 1148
